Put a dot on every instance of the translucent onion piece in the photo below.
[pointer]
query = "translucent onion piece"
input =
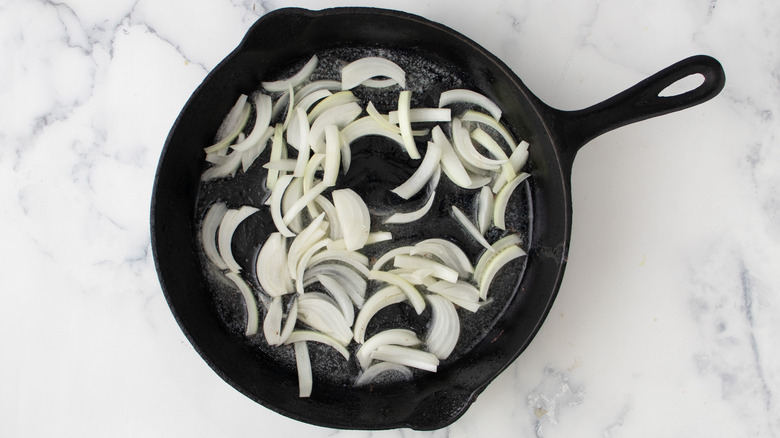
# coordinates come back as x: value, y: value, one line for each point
x: 278, y: 151
x: 470, y: 228
x: 382, y: 298
x: 314, y: 86
x: 494, y: 148
x: 381, y: 119
x: 476, y: 116
x: 357, y: 72
x: 518, y: 159
x: 437, y: 269
x: 290, y: 105
x: 460, y: 290
x: 467, y: 96
x: 228, y: 166
x: 444, y: 329
x: 407, y: 356
x: 495, y: 264
x: 504, y: 242
x: 249, y: 156
x: 208, y: 233
x: 314, y: 164
x: 252, y: 314
x: 332, y: 156
x: 390, y: 255
x: 292, y: 318
x: 276, y: 205
x: 227, y: 227
x: 415, y: 277
x: 330, y: 211
x: 468, y: 151
x: 303, y: 364
x: 366, y: 126
x: 422, y: 175
x: 303, y: 202
x: 354, y: 217
x: 405, y: 125
x: 502, y: 199
x: 415, y: 298
x: 405, y: 218
x: 449, y: 159
x: 272, y: 324
x: 485, y: 203
x: 291, y: 196
x: 297, y: 79
x: 332, y: 101
x: 271, y: 266
x: 312, y: 336
x: 404, y: 337
x: 302, y: 127
x: 225, y: 142
x: 339, y: 293
x: 351, y: 258
x: 471, y: 306
x: 284, y: 164
x: 323, y: 316
x: 304, y: 262
x: 417, y: 115
x: 230, y: 121
x: 305, y: 239
x: 379, y: 368
x: 262, y: 123
x: 306, y: 102
x: 449, y: 253
x: 339, y: 115
x: 379, y: 83
x: 353, y: 284
x: 375, y: 237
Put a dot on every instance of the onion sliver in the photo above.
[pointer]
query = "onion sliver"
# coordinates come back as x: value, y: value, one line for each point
x: 476, y: 116
x: 262, y: 123
x: 504, y: 242
x: 381, y: 119
x: 303, y: 364
x: 323, y: 316
x: 230, y: 121
x: 330, y: 211
x: 291, y: 196
x: 423, y: 115
x: 315, y: 86
x: 405, y: 125
x: 252, y: 314
x: 470, y: 228
x: 305, y: 239
x: 446, y: 251
x: 301, y: 141
x: 332, y: 101
x: 352, y: 258
x: 405, y: 218
x: 356, y: 72
x: 415, y: 298
x: 297, y: 79
x: 485, y: 203
x: 271, y: 266
x: 228, y: 166
x: 494, y: 148
x: 444, y: 329
x: 340, y: 116
x: 208, y: 233
x: 292, y: 318
x: 272, y: 324
x: 502, y: 199
x: 225, y: 142
x: 276, y: 204
x: 460, y: 290
x: 249, y: 156
x: 339, y: 293
x: 379, y: 83
x: 306, y: 102
x: 438, y: 270
x: 312, y: 336
x: 468, y: 151
x: 404, y: 337
x: 366, y: 126
x: 278, y: 152
x: 380, y: 368
x: 379, y: 300
x: 390, y: 255
x: 227, y: 227
x: 518, y: 159
x: 353, y: 216
x: 304, y: 261
x: 423, y: 173
x: 449, y: 159
x: 302, y: 202
x: 495, y: 264
x: 406, y: 356
x: 351, y: 282
x: 467, y: 96
x: 283, y: 164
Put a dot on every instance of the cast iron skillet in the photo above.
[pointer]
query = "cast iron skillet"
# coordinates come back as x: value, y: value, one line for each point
x: 289, y: 36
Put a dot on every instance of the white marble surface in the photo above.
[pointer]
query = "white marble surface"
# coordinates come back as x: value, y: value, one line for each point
x: 664, y: 323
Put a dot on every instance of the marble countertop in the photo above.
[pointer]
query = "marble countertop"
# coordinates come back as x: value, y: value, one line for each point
x: 664, y: 322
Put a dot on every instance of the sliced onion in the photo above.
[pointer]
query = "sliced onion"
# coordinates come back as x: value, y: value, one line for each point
x: 471, y: 306
x: 339, y: 293
x: 230, y: 121
x: 476, y: 116
x: 351, y: 282
x: 405, y: 218
x: 484, y: 209
x: 283, y: 164
x: 404, y: 337
x: 470, y: 228
x: 315, y: 86
x: 449, y: 159
x: 493, y: 147
x: 330, y: 102
x: 272, y: 324
x: 460, y: 290
x: 271, y: 266
x: 291, y: 196
x: 303, y: 364
x: 467, y: 96
x: 381, y: 119
x: 390, y: 255
x: 278, y: 152
x: 465, y: 148
x: 438, y: 270
x: 332, y: 155
x: 249, y: 156
x: 423, y: 173
x: 417, y: 115
x: 227, y: 227
x: 303, y: 202
x: 252, y: 314
x: 354, y: 217
x: 297, y: 79
x: 290, y: 105
x: 340, y: 116
x: 241, y: 123
x: 312, y: 336
x: 406, y: 356
x: 518, y: 159
x: 305, y: 103
x: 330, y: 211
x: 276, y: 204
x: 292, y: 318
x: 305, y: 239
x: 208, y: 233
x: 324, y: 316
x: 228, y: 166
x: 303, y: 262
x: 500, y: 244
x: 366, y: 126
x: 502, y: 199
x: 352, y: 258
x: 357, y: 72
x: 379, y: 368
x: 262, y: 123
x: 446, y: 251
x: 503, y: 257
x: 415, y: 298
x: 444, y: 329
x: 405, y: 125
x: 384, y: 297
x: 314, y: 164
x: 301, y: 126
x: 415, y: 277
x: 379, y: 83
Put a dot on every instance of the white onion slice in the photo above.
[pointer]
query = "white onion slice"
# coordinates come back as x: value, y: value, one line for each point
x: 406, y: 356
x: 230, y: 121
x: 381, y: 119
x: 324, y: 316
x: 467, y: 96
x: 449, y: 159
x: 405, y: 125
x: 390, y: 255
x: 494, y: 148
x: 332, y: 155
x: 357, y: 72
x: 300, y: 141
x: 417, y: 115
x: 485, y: 203
x: 375, y: 237
x: 339, y: 293
x: 315, y: 86
x: 500, y: 244
x: 208, y: 233
x: 303, y: 202
x: 272, y: 324
x: 405, y: 218
x: 252, y: 314
x: 292, y: 318
x: 278, y: 152
x: 404, y: 337
x: 476, y: 116
x: 518, y: 159
x: 330, y: 211
x: 227, y: 227
x: 340, y: 116
x: 460, y: 290
x: 275, y: 202
x: 503, y: 257
x: 332, y: 101
x: 444, y: 329
x: 303, y: 364
x: 415, y: 298
x: 379, y: 83
x: 351, y: 282
x: 468, y: 151
x: 249, y: 156
x: 437, y: 269
x: 382, y: 298
x: 271, y: 266
x: 312, y: 336
x: 283, y: 164
x: 262, y: 123
x: 352, y: 258
x: 305, y: 103
x: 423, y: 173
x: 303, y: 262
x: 305, y: 239
x: 290, y: 105
x: 228, y: 166
x: 502, y: 199
x: 314, y: 164
x: 446, y: 251
x: 415, y: 277
x: 354, y: 217
x: 379, y: 368
x: 366, y: 126
x: 297, y: 79
x: 470, y: 228
x: 225, y: 142
x: 291, y: 196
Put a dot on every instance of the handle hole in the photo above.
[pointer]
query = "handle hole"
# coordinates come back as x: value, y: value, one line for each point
x: 682, y: 86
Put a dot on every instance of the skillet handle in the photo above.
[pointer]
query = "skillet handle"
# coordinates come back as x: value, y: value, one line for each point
x: 640, y: 102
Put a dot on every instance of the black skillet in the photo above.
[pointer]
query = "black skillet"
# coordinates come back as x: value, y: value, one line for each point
x: 288, y: 37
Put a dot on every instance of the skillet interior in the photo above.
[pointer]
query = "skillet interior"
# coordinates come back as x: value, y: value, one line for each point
x: 283, y: 38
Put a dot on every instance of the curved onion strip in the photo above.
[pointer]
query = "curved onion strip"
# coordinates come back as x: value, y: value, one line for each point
x: 352, y: 258
x: 227, y: 227
x: 366, y: 126
x: 500, y: 244
x: 314, y: 164
x: 272, y: 324
x: 249, y: 156
x: 303, y: 262
x: 485, y: 203
x: 381, y: 119
x: 225, y: 142
x: 380, y: 368
x: 379, y: 83
x: 375, y: 237
x: 283, y: 164
x: 390, y: 255
x: 461, y: 290
x: 384, y: 297
x: 332, y: 101
x: 518, y: 159
x: 404, y: 337
x: 354, y: 285
x: 271, y: 266
x: 312, y: 336
x: 278, y: 152
x: 354, y: 217
x: 415, y: 298
x: 466, y: 149
x: 302, y: 202
x: 338, y: 115
x: 405, y: 218
x: 305, y: 103
x: 493, y: 147
x: 303, y: 364
x: 471, y: 306
x: 208, y: 233
x: 467, y: 96
x: 413, y: 276
x: 406, y: 356
x: 502, y: 199
x: 332, y: 156
x: 321, y: 84
x: 438, y: 270
x: 301, y: 126
x: 292, y: 318
x: 339, y: 293
x: 297, y: 79
x: 230, y: 121
x: 470, y: 228
x: 330, y: 211
x: 262, y: 123
x: 449, y: 159
x: 324, y: 316
x: 423, y: 173
x: 291, y: 195
x: 357, y: 72
x: 405, y: 125
x: 495, y: 264
x: 290, y: 105
x: 305, y: 239
x: 446, y: 251
x: 444, y: 329
x: 476, y: 116
x: 228, y: 166
x: 252, y: 314
x: 417, y: 115
x: 276, y: 204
